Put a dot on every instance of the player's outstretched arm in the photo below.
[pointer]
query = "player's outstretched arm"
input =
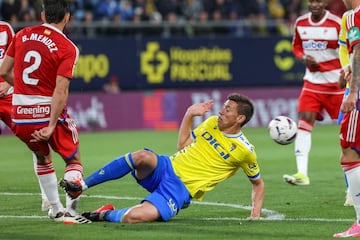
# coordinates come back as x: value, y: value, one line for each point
x: 198, y: 109
x: 257, y: 196
x: 58, y: 102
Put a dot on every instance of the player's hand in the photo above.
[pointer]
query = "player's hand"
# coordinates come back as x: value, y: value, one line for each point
x: 4, y: 87
x: 311, y: 62
x: 342, y: 79
x: 349, y: 103
x: 42, y: 135
x: 345, y: 74
x: 199, y: 109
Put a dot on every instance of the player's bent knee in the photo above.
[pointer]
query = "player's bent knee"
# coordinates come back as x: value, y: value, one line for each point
x: 136, y: 217
x: 145, y: 212
x: 142, y: 156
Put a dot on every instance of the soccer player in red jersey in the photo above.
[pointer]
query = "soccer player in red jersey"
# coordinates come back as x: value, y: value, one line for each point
x: 39, y: 63
x: 6, y: 36
x: 6, y: 90
x: 315, y: 42
x: 350, y: 125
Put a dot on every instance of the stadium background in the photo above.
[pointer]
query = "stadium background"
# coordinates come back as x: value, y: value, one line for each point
x: 143, y: 75
x: 314, y: 212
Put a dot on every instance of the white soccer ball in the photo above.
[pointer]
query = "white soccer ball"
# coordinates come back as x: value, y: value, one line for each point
x: 283, y: 130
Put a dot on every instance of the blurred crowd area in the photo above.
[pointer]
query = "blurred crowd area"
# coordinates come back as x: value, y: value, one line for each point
x: 265, y: 16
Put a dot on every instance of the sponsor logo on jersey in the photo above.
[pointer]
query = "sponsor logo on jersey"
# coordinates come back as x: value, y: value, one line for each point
x: 314, y: 45
x: 353, y: 34
x: 216, y: 145
x: 34, y: 111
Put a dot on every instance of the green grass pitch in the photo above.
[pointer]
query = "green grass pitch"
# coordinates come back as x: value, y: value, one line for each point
x: 309, y: 212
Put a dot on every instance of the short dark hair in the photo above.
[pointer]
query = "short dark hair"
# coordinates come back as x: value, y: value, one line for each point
x: 55, y: 10
x: 245, y: 106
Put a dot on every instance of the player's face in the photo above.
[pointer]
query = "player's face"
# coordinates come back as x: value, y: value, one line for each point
x: 317, y: 8
x: 228, y: 120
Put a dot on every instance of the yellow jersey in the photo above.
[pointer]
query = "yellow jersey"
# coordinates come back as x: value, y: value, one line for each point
x: 343, y: 51
x: 343, y: 56
x: 213, y: 157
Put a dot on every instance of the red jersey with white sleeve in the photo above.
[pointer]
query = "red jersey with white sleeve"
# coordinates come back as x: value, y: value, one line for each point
x: 350, y: 125
x: 320, y: 40
x: 42, y: 52
x: 6, y: 36
x: 352, y: 27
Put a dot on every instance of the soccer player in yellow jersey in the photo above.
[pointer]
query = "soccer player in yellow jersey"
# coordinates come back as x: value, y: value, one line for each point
x: 345, y: 74
x: 209, y: 154
x: 344, y: 58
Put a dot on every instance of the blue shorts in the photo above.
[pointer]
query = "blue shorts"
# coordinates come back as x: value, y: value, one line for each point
x: 168, y: 192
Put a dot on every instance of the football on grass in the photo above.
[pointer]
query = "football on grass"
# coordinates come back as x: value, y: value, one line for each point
x: 282, y: 130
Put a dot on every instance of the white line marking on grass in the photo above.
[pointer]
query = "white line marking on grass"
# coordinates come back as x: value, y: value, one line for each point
x: 23, y: 217
x: 268, y: 219
x: 271, y: 215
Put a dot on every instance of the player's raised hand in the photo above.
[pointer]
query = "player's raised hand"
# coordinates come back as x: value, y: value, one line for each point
x: 199, y: 109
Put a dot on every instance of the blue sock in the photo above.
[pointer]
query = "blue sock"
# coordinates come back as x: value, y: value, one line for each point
x: 115, y: 215
x: 113, y: 170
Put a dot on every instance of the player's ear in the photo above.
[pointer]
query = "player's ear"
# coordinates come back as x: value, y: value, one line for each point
x: 67, y: 17
x: 241, y: 118
x: 43, y: 18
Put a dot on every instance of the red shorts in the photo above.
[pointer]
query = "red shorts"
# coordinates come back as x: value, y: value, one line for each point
x: 317, y: 102
x: 64, y: 140
x: 350, y: 131
x: 5, y: 110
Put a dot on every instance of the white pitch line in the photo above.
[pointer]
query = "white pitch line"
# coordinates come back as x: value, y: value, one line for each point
x: 271, y: 215
x: 268, y: 219
x: 23, y: 217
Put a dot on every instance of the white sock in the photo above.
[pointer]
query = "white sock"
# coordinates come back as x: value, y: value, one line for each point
x: 43, y: 195
x: 302, y: 149
x: 72, y: 172
x: 71, y: 205
x: 353, y: 178
x: 49, y: 184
